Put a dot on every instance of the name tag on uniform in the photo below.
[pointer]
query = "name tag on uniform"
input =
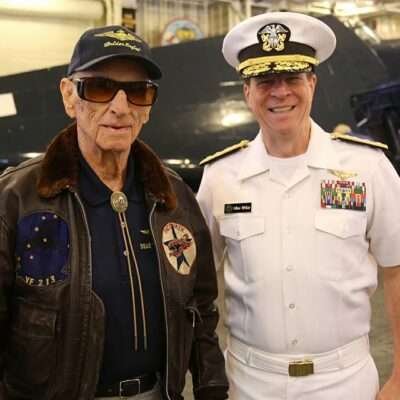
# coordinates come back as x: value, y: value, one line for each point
x: 237, y: 208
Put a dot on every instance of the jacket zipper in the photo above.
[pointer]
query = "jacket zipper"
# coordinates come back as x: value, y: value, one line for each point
x: 163, y: 296
x: 86, y: 224
x: 87, y: 231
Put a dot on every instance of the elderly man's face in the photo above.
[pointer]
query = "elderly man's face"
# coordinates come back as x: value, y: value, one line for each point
x: 112, y: 126
x: 281, y: 103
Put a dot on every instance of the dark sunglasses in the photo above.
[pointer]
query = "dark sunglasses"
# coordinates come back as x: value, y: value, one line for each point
x: 103, y: 90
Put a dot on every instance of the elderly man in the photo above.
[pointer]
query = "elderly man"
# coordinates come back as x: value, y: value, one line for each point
x: 106, y: 275
x: 301, y: 220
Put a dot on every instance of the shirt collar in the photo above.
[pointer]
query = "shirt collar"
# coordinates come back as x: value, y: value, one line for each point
x: 256, y: 160
x: 95, y: 192
x: 320, y: 154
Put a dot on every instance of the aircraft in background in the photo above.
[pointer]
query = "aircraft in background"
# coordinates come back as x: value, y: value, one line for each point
x: 377, y: 114
x: 201, y: 110
x: 389, y: 53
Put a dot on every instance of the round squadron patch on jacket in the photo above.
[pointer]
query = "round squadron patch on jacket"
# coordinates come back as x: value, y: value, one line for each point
x: 42, y: 249
x: 179, y: 246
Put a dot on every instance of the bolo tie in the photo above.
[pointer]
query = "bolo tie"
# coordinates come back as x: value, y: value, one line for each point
x: 119, y: 203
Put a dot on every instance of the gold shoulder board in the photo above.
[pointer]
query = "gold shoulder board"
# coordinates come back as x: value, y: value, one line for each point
x: 224, y: 152
x: 355, y: 139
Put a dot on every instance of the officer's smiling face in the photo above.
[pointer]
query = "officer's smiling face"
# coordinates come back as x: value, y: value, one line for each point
x: 281, y: 102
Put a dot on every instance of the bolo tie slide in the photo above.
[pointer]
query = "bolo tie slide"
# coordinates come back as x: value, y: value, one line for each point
x: 119, y: 204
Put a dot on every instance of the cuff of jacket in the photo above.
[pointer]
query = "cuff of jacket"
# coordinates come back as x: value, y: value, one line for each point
x: 3, y: 395
x: 212, y: 393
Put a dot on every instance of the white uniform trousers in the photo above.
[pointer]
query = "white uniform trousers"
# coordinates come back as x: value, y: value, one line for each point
x: 262, y: 381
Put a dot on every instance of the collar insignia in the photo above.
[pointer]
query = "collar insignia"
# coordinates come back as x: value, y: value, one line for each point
x: 273, y: 37
x: 119, y: 35
x: 343, y: 175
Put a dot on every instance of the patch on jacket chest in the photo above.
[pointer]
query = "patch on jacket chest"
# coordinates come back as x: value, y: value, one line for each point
x: 179, y: 247
x: 42, y: 249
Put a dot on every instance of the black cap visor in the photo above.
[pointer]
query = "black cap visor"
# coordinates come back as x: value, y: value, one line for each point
x: 151, y: 67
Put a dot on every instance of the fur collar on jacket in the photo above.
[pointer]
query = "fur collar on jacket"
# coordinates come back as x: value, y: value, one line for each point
x: 60, y: 168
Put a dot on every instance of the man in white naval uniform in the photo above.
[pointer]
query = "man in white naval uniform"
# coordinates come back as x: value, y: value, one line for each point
x: 300, y: 219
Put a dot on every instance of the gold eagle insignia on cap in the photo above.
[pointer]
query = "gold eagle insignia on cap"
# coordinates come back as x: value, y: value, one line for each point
x: 355, y: 139
x: 119, y: 35
x: 219, y: 154
x: 273, y: 37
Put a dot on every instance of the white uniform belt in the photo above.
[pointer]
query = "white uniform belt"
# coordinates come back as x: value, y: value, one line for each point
x: 300, y: 364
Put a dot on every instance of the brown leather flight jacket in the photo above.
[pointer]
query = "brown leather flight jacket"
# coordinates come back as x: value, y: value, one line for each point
x: 52, y: 327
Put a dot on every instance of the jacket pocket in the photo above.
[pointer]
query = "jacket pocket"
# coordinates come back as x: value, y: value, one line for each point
x: 245, y: 237
x: 31, y: 352
x: 340, y: 242
x: 241, y: 227
x: 339, y: 224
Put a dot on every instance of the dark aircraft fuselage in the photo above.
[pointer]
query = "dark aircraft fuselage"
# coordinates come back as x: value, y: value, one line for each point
x: 200, y: 108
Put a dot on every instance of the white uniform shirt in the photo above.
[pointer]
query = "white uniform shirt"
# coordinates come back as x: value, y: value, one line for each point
x: 298, y: 276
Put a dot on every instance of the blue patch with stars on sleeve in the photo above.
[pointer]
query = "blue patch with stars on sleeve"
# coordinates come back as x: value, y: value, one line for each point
x: 42, y: 249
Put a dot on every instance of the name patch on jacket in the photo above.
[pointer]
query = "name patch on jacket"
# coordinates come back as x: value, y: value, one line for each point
x: 345, y: 195
x: 179, y: 246
x: 237, y: 208
x: 42, y: 249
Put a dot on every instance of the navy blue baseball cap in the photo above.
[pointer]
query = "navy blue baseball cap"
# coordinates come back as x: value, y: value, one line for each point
x: 101, y: 44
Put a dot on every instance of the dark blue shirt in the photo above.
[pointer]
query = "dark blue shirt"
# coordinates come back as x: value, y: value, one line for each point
x: 111, y: 277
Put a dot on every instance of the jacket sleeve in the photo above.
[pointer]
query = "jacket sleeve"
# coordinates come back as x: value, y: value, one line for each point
x: 6, y: 282
x: 207, y: 363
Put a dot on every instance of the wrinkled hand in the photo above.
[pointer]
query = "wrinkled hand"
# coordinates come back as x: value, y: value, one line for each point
x: 390, y: 391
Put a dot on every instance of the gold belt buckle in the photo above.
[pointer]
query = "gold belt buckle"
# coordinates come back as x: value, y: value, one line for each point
x: 301, y: 368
